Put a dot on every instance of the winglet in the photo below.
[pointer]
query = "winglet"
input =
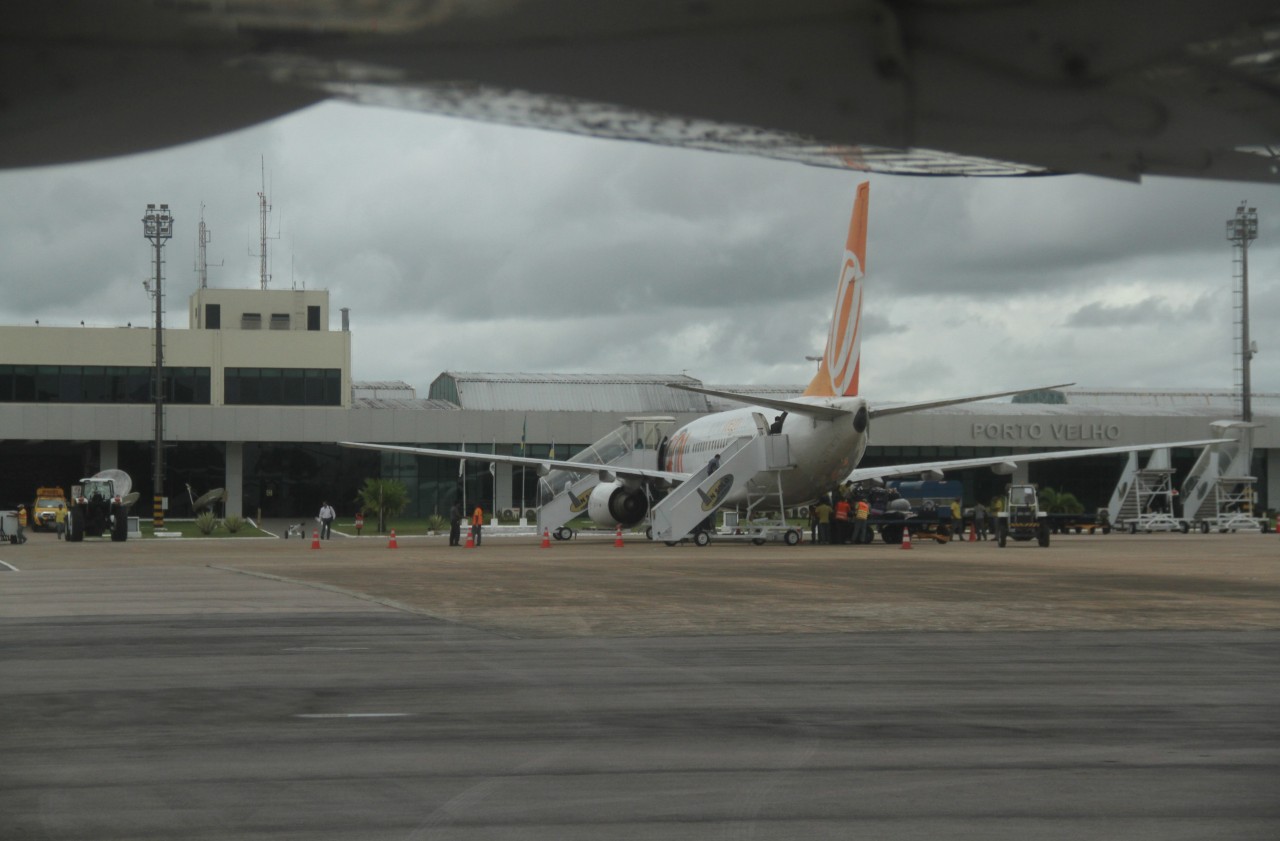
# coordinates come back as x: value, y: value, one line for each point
x: 841, y: 361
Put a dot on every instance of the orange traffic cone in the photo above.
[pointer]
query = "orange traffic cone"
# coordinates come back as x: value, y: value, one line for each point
x: 906, y: 537
x: 546, y: 539
x: 471, y: 540
x: 315, y: 539
x: 973, y: 533
x: 617, y: 541
x: 391, y: 544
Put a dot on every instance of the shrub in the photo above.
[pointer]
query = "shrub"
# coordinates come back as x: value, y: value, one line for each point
x: 437, y: 523
x: 206, y: 522
x: 233, y: 523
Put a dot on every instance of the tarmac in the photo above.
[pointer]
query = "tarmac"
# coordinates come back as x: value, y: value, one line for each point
x: 1105, y: 686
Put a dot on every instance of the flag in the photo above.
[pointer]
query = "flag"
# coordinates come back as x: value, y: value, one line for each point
x: 462, y: 467
x: 552, y: 454
x: 524, y: 432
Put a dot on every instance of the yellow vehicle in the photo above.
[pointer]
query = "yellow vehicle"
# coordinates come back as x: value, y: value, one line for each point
x: 44, y: 513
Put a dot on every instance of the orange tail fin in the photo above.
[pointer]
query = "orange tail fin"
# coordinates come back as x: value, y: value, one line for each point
x: 841, y: 361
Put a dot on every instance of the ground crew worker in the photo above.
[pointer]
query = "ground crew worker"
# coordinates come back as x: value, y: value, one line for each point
x: 842, y: 521
x: 60, y: 520
x: 957, y: 519
x: 823, y: 513
x: 455, y: 524
x: 861, y: 512
x: 22, y: 524
x: 477, y: 523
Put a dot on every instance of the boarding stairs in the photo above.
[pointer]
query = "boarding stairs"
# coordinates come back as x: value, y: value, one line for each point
x: 567, y: 504
x: 1143, y: 498
x: 633, y: 444
x: 699, y: 497
x: 1218, y: 493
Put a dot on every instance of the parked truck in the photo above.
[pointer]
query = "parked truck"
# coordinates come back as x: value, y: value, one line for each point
x: 100, y: 505
x: 44, y: 511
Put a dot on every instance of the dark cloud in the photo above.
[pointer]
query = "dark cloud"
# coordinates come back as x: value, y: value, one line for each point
x: 468, y: 246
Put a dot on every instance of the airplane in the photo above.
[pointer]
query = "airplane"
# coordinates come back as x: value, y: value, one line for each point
x: 825, y: 432
x: 1114, y: 88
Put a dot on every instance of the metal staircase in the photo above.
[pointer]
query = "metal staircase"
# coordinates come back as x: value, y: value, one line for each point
x: 1143, y: 498
x: 1218, y: 492
x: 698, y: 498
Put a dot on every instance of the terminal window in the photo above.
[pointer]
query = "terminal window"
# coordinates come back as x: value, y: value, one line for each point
x: 283, y: 387
x: 101, y: 384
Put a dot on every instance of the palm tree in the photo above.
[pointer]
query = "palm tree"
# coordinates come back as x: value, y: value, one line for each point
x: 384, y: 497
x: 1059, y: 502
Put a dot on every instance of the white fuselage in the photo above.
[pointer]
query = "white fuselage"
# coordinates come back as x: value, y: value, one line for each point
x: 823, y: 452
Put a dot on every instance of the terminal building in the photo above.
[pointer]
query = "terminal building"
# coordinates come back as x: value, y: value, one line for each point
x: 258, y: 391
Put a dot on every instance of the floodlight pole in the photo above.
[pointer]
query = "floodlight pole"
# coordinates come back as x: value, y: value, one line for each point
x: 157, y: 226
x: 1242, y: 230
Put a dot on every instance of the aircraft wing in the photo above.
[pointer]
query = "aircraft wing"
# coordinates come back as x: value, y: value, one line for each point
x: 556, y: 464
x: 902, y: 408
x: 898, y: 470
x: 1115, y: 88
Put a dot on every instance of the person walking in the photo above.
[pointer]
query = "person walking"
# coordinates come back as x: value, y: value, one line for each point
x: 477, y: 524
x: 455, y: 524
x: 327, y: 516
x: 22, y: 524
x: 60, y: 520
x: 957, y: 519
x: 980, y: 520
x: 714, y: 464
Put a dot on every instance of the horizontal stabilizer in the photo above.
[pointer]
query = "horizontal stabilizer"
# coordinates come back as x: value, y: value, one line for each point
x: 795, y: 407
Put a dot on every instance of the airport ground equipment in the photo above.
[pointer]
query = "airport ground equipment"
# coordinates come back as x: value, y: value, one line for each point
x: 566, y: 495
x: 100, y: 505
x: 1218, y: 494
x: 1143, y: 498
x: 44, y: 511
x: 1022, y: 518
x: 684, y: 510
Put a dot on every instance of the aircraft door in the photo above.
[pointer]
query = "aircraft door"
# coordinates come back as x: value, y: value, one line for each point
x: 662, y: 453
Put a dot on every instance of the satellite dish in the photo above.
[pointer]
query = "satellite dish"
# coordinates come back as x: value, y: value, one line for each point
x: 208, y: 499
x: 119, y: 479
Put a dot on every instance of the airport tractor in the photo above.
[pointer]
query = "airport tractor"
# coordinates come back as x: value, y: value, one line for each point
x: 1022, y: 518
x: 100, y: 505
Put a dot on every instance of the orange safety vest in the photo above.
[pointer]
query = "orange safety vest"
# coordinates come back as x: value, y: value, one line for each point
x: 477, y: 516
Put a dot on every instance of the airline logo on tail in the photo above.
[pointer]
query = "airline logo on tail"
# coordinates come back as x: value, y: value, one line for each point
x: 841, y: 361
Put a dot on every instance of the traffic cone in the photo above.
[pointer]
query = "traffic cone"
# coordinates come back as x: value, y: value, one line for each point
x: 315, y: 539
x: 471, y: 540
x: 973, y: 533
x: 617, y: 541
x: 546, y: 539
x: 391, y: 544
x: 906, y: 537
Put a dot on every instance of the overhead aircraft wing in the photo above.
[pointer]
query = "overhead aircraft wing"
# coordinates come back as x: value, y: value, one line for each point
x: 1115, y: 88
x: 556, y: 464
x: 892, y: 471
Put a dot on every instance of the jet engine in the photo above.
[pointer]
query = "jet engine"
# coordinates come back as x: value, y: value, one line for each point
x: 612, y: 504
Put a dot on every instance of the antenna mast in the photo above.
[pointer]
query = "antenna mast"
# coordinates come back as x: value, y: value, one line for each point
x: 202, y: 263
x: 1242, y: 230
x: 264, y: 208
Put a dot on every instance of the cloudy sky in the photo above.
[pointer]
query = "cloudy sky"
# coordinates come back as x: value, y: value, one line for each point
x: 463, y: 246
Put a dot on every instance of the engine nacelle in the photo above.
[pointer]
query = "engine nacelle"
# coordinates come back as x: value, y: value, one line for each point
x: 1004, y: 468
x: 611, y: 504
